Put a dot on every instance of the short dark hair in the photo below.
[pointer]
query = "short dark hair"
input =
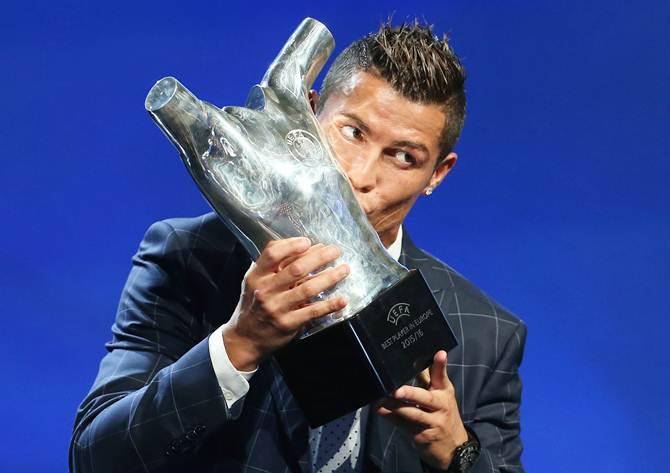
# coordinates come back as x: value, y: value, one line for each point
x: 417, y: 64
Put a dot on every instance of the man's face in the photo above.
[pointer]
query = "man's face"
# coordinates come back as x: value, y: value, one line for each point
x: 387, y: 145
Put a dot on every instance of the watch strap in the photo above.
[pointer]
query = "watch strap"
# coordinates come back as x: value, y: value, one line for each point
x: 466, y: 455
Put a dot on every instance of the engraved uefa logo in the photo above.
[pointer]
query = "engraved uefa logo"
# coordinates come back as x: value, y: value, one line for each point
x: 303, y: 145
x: 398, y: 311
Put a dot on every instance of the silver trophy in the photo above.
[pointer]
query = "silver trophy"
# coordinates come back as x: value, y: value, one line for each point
x: 269, y: 173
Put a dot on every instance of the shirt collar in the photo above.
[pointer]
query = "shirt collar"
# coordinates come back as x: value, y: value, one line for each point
x: 396, y: 246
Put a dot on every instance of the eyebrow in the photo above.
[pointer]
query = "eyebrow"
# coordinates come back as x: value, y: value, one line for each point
x: 359, y: 123
x: 411, y: 144
x: 396, y: 144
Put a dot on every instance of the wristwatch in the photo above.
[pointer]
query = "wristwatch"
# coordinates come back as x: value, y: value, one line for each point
x: 466, y: 455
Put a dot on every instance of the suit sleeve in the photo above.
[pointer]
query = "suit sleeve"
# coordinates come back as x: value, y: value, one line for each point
x: 156, y: 395
x: 496, y: 421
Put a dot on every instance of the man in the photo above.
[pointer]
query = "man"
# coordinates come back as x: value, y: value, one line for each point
x: 189, y: 383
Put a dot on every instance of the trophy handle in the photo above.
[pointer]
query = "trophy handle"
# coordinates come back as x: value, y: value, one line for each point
x: 298, y: 63
x: 178, y: 113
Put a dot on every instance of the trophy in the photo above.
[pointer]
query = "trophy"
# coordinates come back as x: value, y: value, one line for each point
x: 269, y: 173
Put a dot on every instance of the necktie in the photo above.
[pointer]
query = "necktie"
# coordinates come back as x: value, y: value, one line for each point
x: 336, y: 446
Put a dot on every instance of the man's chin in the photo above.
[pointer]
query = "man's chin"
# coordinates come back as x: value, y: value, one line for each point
x: 373, y: 221
x: 376, y: 225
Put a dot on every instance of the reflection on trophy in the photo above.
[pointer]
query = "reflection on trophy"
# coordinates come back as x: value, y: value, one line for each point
x: 269, y: 173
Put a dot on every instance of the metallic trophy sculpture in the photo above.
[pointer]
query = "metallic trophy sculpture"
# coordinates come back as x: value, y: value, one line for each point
x: 269, y: 173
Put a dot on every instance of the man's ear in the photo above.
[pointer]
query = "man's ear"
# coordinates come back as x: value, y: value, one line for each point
x: 313, y: 97
x: 442, y: 169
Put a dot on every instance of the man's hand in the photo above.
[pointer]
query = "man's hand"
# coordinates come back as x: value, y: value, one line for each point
x: 429, y: 414
x: 275, y: 300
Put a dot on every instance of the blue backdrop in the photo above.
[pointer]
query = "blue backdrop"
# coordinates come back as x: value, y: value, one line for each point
x: 558, y: 206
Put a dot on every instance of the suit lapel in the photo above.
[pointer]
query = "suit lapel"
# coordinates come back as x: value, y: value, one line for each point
x: 413, y: 258
x: 379, y: 446
x: 388, y: 447
x: 291, y: 419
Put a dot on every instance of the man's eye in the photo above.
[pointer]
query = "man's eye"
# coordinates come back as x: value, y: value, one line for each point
x: 351, y: 132
x: 403, y: 158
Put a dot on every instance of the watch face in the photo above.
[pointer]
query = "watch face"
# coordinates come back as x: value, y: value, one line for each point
x: 465, y: 456
x: 470, y: 455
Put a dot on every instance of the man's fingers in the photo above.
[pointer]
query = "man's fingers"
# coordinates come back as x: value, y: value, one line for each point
x: 412, y: 395
x: 277, y: 251
x: 399, y: 421
x: 315, y: 258
x: 423, y: 379
x: 291, y: 259
x: 314, y: 286
x: 313, y: 311
x: 438, y: 371
x: 404, y: 412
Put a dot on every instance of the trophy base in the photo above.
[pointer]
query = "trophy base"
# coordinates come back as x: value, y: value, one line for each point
x: 361, y: 359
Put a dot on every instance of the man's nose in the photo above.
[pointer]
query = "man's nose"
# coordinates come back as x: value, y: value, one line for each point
x: 363, y: 173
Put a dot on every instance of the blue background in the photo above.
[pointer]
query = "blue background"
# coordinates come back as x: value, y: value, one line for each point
x: 558, y: 206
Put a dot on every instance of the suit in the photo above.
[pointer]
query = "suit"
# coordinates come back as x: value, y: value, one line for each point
x: 156, y: 404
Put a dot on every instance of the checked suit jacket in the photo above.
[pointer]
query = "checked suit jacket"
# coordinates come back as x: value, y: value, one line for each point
x: 156, y: 405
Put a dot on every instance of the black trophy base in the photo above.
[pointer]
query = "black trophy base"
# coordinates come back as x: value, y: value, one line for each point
x: 357, y: 361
